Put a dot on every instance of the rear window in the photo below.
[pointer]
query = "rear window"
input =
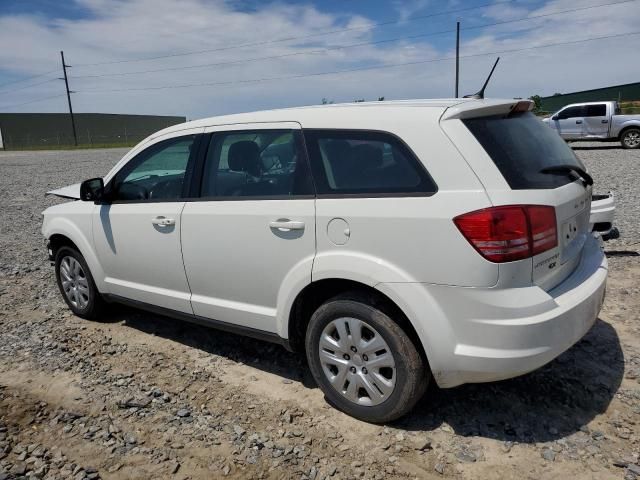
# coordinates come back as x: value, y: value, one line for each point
x: 521, y: 145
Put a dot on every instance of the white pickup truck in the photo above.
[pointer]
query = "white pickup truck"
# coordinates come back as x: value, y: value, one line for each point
x: 596, y: 122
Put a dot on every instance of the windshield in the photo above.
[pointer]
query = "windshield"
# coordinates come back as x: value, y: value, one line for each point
x: 521, y: 146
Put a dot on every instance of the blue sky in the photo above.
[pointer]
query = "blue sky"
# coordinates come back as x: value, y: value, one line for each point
x: 130, y: 32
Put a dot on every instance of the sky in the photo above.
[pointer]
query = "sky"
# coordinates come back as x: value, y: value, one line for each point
x: 201, y: 58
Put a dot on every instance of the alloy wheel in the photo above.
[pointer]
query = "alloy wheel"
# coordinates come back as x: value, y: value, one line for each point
x: 632, y: 139
x: 74, y: 282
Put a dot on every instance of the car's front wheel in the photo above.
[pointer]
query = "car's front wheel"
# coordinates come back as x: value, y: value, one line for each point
x: 364, y: 362
x: 76, y: 283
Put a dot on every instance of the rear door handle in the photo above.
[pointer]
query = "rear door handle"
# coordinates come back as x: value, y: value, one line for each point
x: 578, y: 121
x: 286, y: 225
x: 605, y: 121
x: 163, y: 221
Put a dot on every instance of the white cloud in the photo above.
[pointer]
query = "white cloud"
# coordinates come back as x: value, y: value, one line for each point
x: 130, y: 29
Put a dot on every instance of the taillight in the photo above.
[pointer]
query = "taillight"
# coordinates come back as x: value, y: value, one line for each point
x: 512, y: 232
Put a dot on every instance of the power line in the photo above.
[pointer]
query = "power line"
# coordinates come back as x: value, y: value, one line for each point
x: 358, y: 69
x: 28, y: 78
x: 31, y: 101
x: 28, y: 86
x: 344, y: 47
x: 302, y: 37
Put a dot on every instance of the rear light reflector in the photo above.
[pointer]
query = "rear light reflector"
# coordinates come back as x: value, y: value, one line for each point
x: 509, y: 233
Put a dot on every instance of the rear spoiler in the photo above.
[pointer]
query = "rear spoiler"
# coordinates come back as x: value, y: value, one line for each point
x: 71, y: 192
x: 485, y: 108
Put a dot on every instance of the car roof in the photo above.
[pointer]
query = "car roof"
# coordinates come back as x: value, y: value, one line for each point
x: 588, y: 103
x: 309, y: 113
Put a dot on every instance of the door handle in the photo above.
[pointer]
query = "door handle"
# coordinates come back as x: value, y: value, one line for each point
x: 578, y: 121
x: 286, y: 225
x: 163, y: 221
x: 604, y: 121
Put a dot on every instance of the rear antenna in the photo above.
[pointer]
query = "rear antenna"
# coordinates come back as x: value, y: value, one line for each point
x: 480, y: 94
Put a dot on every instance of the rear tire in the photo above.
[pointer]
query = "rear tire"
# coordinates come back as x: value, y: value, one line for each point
x: 630, y: 138
x: 363, y: 361
x: 76, y: 284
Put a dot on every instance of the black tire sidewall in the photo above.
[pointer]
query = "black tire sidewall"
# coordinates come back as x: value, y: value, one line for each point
x: 90, y: 310
x: 411, y: 372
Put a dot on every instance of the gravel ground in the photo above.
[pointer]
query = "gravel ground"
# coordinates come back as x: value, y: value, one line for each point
x: 140, y: 396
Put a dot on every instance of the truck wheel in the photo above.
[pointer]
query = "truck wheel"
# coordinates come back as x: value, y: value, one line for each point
x: 76, y: 284
x: 363, y: 361
x: 630, y: 138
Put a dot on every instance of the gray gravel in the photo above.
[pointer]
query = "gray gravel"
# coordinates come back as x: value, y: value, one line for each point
x: 140, y: 396
x: 618, y: 170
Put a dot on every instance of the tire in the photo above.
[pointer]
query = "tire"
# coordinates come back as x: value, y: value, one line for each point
x: 409, y: 374
x: 88, y: 303
x: 630, y: 138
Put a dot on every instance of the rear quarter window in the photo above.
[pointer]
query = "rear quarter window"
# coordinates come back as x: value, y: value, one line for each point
x: 366, y: 163
x: 521, y: 146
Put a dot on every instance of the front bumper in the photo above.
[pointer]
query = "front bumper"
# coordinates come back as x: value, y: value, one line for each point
x: 483, y: 334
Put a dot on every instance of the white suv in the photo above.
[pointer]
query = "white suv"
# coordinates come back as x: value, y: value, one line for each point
x: 393, y: 242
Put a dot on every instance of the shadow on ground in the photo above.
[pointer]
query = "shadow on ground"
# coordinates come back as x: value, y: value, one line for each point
x: 548, y: 404
x: 615, y: 146
x: 545, y: 405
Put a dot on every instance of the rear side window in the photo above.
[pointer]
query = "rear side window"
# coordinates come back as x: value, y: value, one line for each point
x: 599, y: 110
x: 364, y: 163
x: 521, y: 146
x: 256, y: 163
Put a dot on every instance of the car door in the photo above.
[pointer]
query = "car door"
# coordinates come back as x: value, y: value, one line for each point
x: 596, y: 121
x: 250, y: 236
x: 137, y: 234
x: 569, y: 122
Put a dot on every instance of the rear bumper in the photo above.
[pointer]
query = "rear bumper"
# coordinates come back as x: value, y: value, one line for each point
x: 603, y: 209
x: 481, y: 335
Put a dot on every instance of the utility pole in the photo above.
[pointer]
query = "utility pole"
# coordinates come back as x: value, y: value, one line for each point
x: 457, y: 56
x: 66, y: 83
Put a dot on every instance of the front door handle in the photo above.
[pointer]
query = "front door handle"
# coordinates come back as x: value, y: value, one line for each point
x: 163, y: 221
x: 286, y: 225
x: 578, y: 121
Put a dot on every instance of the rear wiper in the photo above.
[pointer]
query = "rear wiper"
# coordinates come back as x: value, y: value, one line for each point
x: 566, y: 168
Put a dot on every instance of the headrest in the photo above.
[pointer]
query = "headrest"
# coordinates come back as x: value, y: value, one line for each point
x: 244, y: 156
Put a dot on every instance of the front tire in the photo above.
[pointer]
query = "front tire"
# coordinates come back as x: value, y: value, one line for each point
x: 630, y: 138
x: 363, y: 361
x: 76, y: 284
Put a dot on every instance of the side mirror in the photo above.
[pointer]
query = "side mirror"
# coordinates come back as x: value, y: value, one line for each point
x: 92, y: 190
x: 555, y: 117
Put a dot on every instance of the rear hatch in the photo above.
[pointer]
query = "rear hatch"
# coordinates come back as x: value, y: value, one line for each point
x: 522, y: 162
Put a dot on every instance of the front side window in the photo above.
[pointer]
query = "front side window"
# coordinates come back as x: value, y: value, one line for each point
x: 156, y: 173
x: 571, y: 112
x: 364, y: 162
x: 599, y: 110
x: 257, y: 163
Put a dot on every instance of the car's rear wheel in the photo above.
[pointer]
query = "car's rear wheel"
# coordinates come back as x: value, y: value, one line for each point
x: 76, y: 283
x: 364, y: 362
x: 630, y: 138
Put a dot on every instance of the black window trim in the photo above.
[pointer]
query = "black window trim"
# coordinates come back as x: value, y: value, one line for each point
x: 188, y: 174
x: 195, y: 189
x: 413, y: 157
